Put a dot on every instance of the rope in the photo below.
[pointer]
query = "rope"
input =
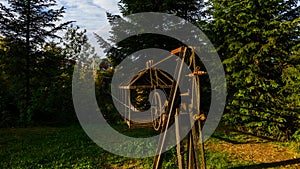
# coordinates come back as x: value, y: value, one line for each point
x: 122, y: 103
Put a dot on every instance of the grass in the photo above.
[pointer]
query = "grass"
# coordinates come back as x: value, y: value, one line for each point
x: 67, y: 147
x: 48, y: 148
x: 70, y: 147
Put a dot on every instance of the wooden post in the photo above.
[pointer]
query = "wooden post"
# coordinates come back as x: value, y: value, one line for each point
x: 202, y: 145
x: 178, y: 141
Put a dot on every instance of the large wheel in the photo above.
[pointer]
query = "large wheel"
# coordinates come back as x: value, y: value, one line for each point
x: 156, y: 111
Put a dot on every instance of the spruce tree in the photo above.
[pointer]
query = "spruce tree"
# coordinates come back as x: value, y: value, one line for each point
x: 29, y: 23
x: 256, y: 41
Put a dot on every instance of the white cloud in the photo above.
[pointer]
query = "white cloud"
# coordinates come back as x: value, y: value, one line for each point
x: 86, y: 14
x: 109, y: 5
x: 90, y: 15
x: 4, y: 2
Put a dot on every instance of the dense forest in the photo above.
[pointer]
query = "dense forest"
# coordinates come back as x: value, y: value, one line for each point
x: 257, y: 41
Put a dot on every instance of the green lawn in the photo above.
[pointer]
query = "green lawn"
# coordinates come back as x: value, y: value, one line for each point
x: 70, y: 147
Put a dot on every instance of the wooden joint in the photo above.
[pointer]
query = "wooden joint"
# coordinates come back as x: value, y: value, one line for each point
x: 199, y: 73
x: 200, y: 117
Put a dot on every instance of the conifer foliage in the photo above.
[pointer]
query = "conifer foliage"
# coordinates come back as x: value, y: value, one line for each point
x: 258, y: 42
x: 29, y: 23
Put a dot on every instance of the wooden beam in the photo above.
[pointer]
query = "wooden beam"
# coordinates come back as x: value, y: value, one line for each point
x: 178, y: 50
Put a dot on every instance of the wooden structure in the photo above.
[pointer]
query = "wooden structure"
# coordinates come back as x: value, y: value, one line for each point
x: 153, y: 78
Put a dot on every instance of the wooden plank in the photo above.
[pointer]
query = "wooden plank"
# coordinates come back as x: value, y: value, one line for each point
x: 177, y: 50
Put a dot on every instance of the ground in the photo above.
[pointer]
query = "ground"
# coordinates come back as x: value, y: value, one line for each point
x: 70, y: 147
x: 258, y: 152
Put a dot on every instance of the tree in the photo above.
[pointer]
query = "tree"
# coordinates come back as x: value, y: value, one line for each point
x: 29, y: 23
x: 255, y: 40
x: 51, y: 101
x: 7, y: 100
x: 191, y: 10
x: 76, y: 45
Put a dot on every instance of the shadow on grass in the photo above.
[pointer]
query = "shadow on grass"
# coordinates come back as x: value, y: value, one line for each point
x: 268, y: 165
x: 240, y: 141
x: 239, y: 137
x: 227, y: 140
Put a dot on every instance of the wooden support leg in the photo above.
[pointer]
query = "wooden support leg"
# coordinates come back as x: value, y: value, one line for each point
x: 190, y: 155
x: 195, y: 149
x: 158, y: 158
x: 202, y: 145
x: 179, y: 145
x: 193, y: 154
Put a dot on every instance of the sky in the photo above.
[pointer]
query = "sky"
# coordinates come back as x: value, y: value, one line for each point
x: 89, y: 15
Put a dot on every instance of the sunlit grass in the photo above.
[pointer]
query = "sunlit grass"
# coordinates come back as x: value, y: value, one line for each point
x: 70, y: 147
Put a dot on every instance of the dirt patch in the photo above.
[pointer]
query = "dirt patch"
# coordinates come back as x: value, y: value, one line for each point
x: 259, y: 153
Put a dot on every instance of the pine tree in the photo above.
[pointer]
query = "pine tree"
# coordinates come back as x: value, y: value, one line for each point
x: 29, y: 23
